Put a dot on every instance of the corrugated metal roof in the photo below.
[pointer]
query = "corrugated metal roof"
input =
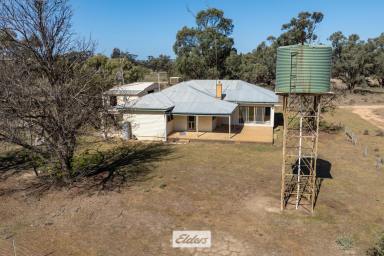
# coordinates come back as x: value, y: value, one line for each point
x: 130, y: 89
x: 198, y: 97
x: 236, y: 91
x: 157, y: 100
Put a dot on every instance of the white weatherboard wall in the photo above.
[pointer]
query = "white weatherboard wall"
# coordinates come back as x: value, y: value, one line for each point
x: 149, y: 126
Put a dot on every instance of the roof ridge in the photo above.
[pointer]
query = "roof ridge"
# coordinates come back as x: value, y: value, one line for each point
x: 211, y: 97
x: 205, y: 92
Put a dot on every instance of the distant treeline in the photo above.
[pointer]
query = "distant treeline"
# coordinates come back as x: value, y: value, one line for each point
x: 207, y: 51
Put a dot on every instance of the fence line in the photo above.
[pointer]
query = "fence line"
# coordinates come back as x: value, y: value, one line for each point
x: 353, y: 138
x: 351, y: 135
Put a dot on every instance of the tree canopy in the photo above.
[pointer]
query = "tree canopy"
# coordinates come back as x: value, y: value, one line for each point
x: 301, y: 30
x: 207, y: 51
x: 202, y: 50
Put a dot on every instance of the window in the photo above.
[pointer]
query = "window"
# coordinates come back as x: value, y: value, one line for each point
x: 191, y: 122
x: 242, y: 114
x: 254, y: 114
x: 267, y: 114
x: 113, y: 101
x: 259, y: 114
x: 251, y: 114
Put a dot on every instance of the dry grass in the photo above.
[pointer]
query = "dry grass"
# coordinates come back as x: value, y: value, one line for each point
x: 376, y: 96
x: 231, y: 189
x: 380, y: 112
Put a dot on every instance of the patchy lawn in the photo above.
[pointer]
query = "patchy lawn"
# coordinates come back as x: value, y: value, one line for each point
x: 232, y: 190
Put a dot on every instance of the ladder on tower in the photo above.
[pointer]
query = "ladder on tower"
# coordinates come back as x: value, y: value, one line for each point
x: 293, y: 72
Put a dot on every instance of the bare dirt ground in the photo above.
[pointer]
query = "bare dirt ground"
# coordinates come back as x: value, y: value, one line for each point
x: 231, y: 189
x: 361, y: 99
x: 372, y: 113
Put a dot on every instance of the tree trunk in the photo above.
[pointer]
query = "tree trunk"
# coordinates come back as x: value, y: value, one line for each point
x: 65, y: 156
x: 351, y: 88
x: 35, y: 170
x: 66, y: 167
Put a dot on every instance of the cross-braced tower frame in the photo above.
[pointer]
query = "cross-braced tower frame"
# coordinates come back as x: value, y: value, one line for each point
x: 301, y: 133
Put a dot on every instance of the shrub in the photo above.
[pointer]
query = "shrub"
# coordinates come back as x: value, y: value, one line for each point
x: 344, y: 242
x: 87, y: 161
x: 366, y: 132
x: 330, y: 127
x: 378, y: 249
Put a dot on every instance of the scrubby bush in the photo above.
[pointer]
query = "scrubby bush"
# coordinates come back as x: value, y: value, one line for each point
x: 330, y: 127
x: 378, y: 249
x: 344, y: 242
x: 87, y: 161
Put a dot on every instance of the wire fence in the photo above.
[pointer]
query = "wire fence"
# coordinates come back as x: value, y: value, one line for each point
x: 351, y: 135
x: 354, y: 139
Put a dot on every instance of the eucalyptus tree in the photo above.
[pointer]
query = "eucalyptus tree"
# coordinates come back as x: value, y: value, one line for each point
x: 160, y: 63
x: 351, y: 59
x: 202, y: 50
x: 378, y: 72
x: 301, y: 29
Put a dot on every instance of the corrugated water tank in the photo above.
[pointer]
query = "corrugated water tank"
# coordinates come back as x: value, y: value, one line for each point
x: 303, y: 69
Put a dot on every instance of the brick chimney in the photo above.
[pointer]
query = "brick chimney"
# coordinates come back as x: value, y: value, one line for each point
x: 219, y: 90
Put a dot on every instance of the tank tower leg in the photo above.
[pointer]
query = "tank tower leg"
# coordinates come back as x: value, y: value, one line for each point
x: 301, y: 129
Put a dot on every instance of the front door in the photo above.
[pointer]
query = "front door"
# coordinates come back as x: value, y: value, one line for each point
x: 191, y: 123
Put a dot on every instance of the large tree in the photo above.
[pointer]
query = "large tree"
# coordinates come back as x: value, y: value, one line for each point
x: 259, y: 65
x: 351, y: 59
x: 119, y: 69
x: 378, y: 70
x: 160, y: 63
x: 202, y: 50
x: 301, y: 29
x: 48, y: 96
x: 118, y: 54
x: 338, y: 41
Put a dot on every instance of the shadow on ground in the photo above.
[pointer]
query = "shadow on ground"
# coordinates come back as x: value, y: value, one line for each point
x: 279, y: 120
x: 323, y: 171
x: 93, y: 169
x: 323, y: 167
x: 120, y: 166
x: 14, y: 162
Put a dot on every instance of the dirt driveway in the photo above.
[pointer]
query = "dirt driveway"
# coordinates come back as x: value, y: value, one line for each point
x: 371, y: 113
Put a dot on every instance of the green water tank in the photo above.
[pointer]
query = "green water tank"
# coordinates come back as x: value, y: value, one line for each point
x: 303, y: 69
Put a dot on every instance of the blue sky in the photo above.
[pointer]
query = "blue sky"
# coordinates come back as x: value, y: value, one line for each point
x: 149, y: 27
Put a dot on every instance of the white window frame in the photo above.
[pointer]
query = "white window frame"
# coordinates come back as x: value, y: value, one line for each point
x: 256, y: 108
